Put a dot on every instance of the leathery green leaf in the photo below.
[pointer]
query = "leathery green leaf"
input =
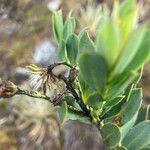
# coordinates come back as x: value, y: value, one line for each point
x: 129, y: 51
x: 93, y: 69
x: 107, y: 41
x: 119, y: 87
x: 72, y: 48
x: 113, y: 102
x: 138, y: 137
x: 57, y: 23
x: 95, y: 101
x: 111, y: 134
x: 62, y: 50
x: 69, y: 27
x: 85, y: 43
x: 132, y: 106
x: 142, y: 53
x: 76, y: 115
x: 127, y: 18
x: 127, y: 126
x: 143, y: 113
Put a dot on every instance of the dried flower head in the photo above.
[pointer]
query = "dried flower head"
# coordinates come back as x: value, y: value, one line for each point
x: 90, y: 16
x: 40, y: 77
x: 43, y: 78
x: 7, y: 89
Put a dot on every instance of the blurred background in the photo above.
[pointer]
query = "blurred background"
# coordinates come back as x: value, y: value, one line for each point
x: 26, y: 37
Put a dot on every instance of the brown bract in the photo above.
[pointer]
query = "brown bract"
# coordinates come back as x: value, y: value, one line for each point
x: 73, y: 74
x: 7, y: 89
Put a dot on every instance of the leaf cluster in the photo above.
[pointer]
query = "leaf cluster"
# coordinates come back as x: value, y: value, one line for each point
x: 110, y: 66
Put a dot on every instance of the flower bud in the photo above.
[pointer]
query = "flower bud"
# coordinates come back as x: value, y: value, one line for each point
x: 7, y: 89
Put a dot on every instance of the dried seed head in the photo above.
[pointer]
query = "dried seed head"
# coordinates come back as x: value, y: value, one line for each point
x: 7, y: 89
x: 44, y: 79
x: 39, y: 77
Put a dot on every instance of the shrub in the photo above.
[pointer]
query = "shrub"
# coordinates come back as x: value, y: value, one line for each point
x: 101, y: 85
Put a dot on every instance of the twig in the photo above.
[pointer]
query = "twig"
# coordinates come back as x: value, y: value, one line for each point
x: 70, y: 87
x: 34, y: 94
x: 77, y: 98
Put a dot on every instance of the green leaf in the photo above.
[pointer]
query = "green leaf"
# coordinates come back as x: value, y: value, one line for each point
x: 107, y: 41
x: 143, y: 113
x: 113, y: 102
x: 111, y: 135
x: 95, y: 101
x: 69, y: 27
x: 86, y: 88
x: 62, y: 110
x: 129, y: 51
x: 138, y: 137
x: 62, y: 50
x: 85, y: 43
x: 72, y: 48
x: 57, y: 23
x: 118, y: 87
x: 142, y: 54
x: 112, y: 113
x: 127, y: 18
x: 132, y: 106
x: 76, y: 115
x: 128, y: 92
x: 71, y: 102
x: 127, y: 126
x: 93, y: 69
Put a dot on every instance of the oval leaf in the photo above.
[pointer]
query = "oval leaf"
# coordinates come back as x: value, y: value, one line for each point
x: 131, y: 107
x: 57, y: 23
x: 69, y: 27
x: 142, y: 54
x: 107, y: 44
x: 127, y: 18
x: 111, y: 135
x: 113, y: 102
x: 138, y: 137
x: 72, y: 48
x: 85, y: 43
x: 129, y: 51
x: 62, y: 50
x: 95, y: 101
x: 93, y: 69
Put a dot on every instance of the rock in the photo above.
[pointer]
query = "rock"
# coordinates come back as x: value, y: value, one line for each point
x: 81, y: 136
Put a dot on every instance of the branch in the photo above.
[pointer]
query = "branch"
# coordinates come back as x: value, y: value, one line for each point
x: 74, y: 93
x: 34, y: 94
x: 69, y: 85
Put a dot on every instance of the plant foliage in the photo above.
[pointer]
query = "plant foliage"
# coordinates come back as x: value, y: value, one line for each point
x: 102, y: 76
x: 109, y: 69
